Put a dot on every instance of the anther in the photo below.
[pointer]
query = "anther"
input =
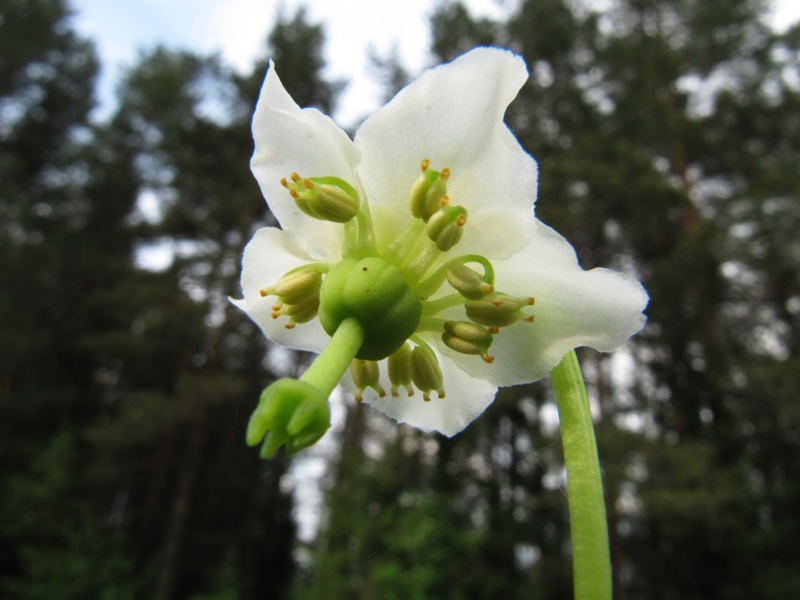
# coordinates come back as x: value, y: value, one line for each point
x: 400, y: 370
x: 427, y: 191
x: 498, y: 310
x: 468, y: 338
x: 366, y: 374
x: 467, y: 282
x: 426, y: 373
x: 324, y: 198
x: 446, y: 226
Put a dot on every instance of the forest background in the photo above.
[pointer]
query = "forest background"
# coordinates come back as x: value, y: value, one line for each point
x: 668, y: 137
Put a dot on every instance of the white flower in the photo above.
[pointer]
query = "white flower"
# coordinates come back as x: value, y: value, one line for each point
x: 451, y: 118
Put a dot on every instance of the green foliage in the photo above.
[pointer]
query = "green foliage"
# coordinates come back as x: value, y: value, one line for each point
x: 124, y: 391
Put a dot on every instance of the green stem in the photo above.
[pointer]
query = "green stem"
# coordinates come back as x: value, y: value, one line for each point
x: 590, y: 552
x: 328, y: 368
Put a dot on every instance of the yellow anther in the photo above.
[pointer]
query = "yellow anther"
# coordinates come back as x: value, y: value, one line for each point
x: 468, y: 283
x: 400, y: 370
x: 468, y: 338
x: 426, y: 373
x: 427, y: 191
x: 498, y: 310
x: 444, y: 200
x: 323, y: 198
x: 445, y: 227
x: 366, y: 374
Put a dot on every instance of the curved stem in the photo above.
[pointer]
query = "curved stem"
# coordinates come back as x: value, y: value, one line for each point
x: 327, y: 369
x: 590, y: 552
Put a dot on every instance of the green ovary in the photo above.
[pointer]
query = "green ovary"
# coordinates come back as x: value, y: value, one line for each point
x: 375, y: 293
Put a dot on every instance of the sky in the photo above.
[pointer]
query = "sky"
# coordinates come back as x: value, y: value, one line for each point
x: 237, y: 29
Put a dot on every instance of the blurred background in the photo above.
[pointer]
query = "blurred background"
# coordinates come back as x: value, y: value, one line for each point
x: 668, y: 137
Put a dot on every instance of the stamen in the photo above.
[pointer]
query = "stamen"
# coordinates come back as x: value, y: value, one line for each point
x: 498, y: 310
x: 426, y: 373
x: 366, y: 374
x: 423, y: 166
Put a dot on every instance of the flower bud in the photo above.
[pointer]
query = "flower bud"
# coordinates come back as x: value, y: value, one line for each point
x: 426, y: 373
x: 467, y: 282
x: 468, y: 338
x: 400, y: 370
x: 324, y: 198
x: 366, y: 374
x: 446, y: 226
x: 291, y: 413
x: 498, y: 310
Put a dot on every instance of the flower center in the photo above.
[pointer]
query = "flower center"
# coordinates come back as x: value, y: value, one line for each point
x: 378, y: 306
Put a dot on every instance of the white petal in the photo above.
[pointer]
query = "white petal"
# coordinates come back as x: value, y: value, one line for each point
x: 453, y: 115
x: 268, y: 257
x: 290, y: 139
x: 465, y: 399
x: 598, y: 308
